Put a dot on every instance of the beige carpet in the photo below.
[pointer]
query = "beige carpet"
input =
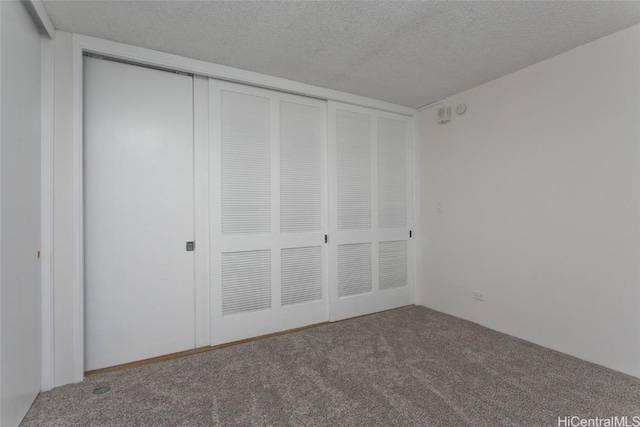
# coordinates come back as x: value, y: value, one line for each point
x: 411, y: 366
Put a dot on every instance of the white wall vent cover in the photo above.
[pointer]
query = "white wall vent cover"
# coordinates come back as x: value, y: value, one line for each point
x: 301, y: 275
x: 393, y: 264
x: 392, y: 173
x: 300, y: 168
x: 246, y: 281
x: 246, y: 162
x: 354, y: 269
x: 354, y: 170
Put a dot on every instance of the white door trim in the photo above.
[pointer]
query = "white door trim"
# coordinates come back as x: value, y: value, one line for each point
x: 78, y: 217
x: 0, y: 197
x: 201, y: 209
x: 142, y: 56
x: 46, y: 206
x: 414, y: 242
x: 41, y: 17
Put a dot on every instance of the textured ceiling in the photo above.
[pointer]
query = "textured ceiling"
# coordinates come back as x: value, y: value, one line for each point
x: 409, y: 53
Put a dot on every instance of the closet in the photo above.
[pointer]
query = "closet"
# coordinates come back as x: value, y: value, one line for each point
x: 216, y: 211
x: 370, y: 211
x: 268, y: 188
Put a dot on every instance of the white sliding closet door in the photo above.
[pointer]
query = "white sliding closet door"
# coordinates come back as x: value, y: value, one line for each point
x: 268, y: 215
x: 370, y: 211
x: 138, y: 213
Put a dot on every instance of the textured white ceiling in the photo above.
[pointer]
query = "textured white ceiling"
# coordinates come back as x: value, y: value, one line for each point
x: 409, y: 53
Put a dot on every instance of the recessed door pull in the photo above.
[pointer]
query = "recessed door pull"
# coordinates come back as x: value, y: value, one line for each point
x: 191, y: 246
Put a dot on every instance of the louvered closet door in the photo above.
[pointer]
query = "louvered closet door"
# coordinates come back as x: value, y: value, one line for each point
x: 370, y: 176
x: 268, y: 211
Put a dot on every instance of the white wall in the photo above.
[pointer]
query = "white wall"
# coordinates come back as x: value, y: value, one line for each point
x: 20, y: 141
x: 540, y: 189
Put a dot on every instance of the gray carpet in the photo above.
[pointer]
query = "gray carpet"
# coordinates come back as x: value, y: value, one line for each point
x: 411, y: 366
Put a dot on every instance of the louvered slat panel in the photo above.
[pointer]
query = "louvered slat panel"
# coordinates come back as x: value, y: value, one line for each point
x: 354, y: 170
x: 392, y: 173
x: 245, y: 153
x: 393, y: 264
x: 354, y: 269
x: 300, y: 163
x: 301, y: 275
x: 246, y: 281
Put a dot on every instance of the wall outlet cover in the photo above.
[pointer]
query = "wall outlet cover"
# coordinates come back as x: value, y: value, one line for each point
x: 478, y: 295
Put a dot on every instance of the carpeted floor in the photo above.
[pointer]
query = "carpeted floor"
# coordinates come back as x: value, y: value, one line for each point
x: 411, y: 366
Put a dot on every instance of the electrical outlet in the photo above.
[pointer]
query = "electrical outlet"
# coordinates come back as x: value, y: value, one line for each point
x: 438, y: 206
x: 478, y: 295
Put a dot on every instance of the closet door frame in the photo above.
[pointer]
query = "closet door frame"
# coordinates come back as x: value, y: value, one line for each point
x: 68, y: 336
x: 201, y: 209
x: 278, y: 318
x: 366, y: 303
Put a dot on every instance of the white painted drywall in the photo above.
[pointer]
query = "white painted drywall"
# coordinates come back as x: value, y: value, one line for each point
x: 20, y: 322
x: 540, y: 189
